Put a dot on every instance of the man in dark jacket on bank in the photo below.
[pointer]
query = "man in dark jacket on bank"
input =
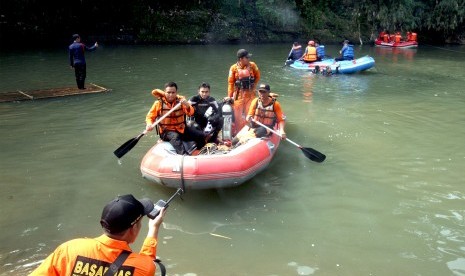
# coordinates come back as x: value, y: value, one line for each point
x: 77, y: 59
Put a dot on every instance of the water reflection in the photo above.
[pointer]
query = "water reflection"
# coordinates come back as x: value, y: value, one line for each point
x: 307, y: 91
x: 386, y: 53
x: 391, y: 188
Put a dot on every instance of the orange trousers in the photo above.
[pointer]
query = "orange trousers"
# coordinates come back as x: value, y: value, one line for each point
x: 241, y: 108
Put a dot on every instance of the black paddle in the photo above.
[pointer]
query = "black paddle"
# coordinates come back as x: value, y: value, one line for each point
x: 126, y: 147
x: 285, y: 63
x: 310, y: 153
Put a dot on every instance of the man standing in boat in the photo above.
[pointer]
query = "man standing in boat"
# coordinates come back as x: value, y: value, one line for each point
x: 242, y: 79
x: 266, y: 110
x: 121, y: 221
x: 77, y: 59
x: 172, y: 127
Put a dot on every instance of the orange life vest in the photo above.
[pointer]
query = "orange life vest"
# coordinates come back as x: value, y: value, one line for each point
x: 409, y: 36
x: 176, y: 120
x: 310, y: 54
x: 398, y: 37
x: 386, y: 38
x: 265, y: 114
x: 244, y: 78
x: 414, y: 36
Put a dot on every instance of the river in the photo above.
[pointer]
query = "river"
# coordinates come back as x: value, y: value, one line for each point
x: 388, y: 200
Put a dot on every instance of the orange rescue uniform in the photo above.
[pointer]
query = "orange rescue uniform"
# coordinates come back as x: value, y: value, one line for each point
x: 94, y: 256
x: 242, y: 97
x: 175, y: 121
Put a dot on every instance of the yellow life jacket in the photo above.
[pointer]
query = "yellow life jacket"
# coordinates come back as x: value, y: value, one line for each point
x: 310, y: 54
x: 265, y: 114
x: 175, y: 120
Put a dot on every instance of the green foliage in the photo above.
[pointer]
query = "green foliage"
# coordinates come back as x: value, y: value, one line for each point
x: 446, y: 15
x: 213, y: 21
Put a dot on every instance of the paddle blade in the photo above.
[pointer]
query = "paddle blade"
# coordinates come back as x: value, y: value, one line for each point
x: 126, y: 147
x: 313, y: 155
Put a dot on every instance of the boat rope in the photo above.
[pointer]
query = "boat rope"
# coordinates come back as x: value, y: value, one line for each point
x: 443, y: 48
x: 183, y: 186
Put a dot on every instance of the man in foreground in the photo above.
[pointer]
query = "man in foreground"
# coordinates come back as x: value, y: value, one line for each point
x: 121, y: 221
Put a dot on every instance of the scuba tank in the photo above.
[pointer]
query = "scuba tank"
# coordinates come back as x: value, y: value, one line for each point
x: 227, y: 121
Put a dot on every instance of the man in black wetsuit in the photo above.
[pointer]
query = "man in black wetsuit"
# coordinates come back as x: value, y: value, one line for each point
x: 207, y: 117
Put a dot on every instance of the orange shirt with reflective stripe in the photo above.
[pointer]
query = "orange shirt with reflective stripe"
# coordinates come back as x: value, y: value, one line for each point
x: 103, y: 248
x: 156, y: 109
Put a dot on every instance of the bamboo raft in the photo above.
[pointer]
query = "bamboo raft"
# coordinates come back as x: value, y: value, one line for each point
x: 19, y: 95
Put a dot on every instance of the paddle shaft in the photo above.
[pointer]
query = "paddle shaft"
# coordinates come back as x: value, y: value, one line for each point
x: 308, y: 152
x: 285, y: 62
x: 275, y: 132
x: 128, y: 145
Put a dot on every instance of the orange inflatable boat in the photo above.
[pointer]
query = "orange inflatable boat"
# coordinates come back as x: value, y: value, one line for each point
x: 217, y: 167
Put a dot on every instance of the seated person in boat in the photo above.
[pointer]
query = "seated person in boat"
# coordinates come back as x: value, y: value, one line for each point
x: 320, y: 52
x: 266, y: 110
x: 310, y: 52
x: 206, y: 121
x: 295, y: 54
x: 347, y: 52
x: 172, y: 128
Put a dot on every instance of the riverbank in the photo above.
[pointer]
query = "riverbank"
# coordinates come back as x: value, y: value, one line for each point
x: 224, y: 22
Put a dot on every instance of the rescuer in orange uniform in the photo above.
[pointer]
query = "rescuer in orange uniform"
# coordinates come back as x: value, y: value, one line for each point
x: 173, y: 126
x: 266, y: 110
x: 121, y: 221
x: 242, y: 79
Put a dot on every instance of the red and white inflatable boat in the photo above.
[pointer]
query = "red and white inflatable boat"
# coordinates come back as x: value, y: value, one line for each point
x: 395, y: 40
x: 400, y: 44
x: 221, y: 169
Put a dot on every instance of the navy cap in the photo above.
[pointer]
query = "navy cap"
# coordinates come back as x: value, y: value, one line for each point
x: 123, y: 212
x: 243, y: 53
x: 264, y: 87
